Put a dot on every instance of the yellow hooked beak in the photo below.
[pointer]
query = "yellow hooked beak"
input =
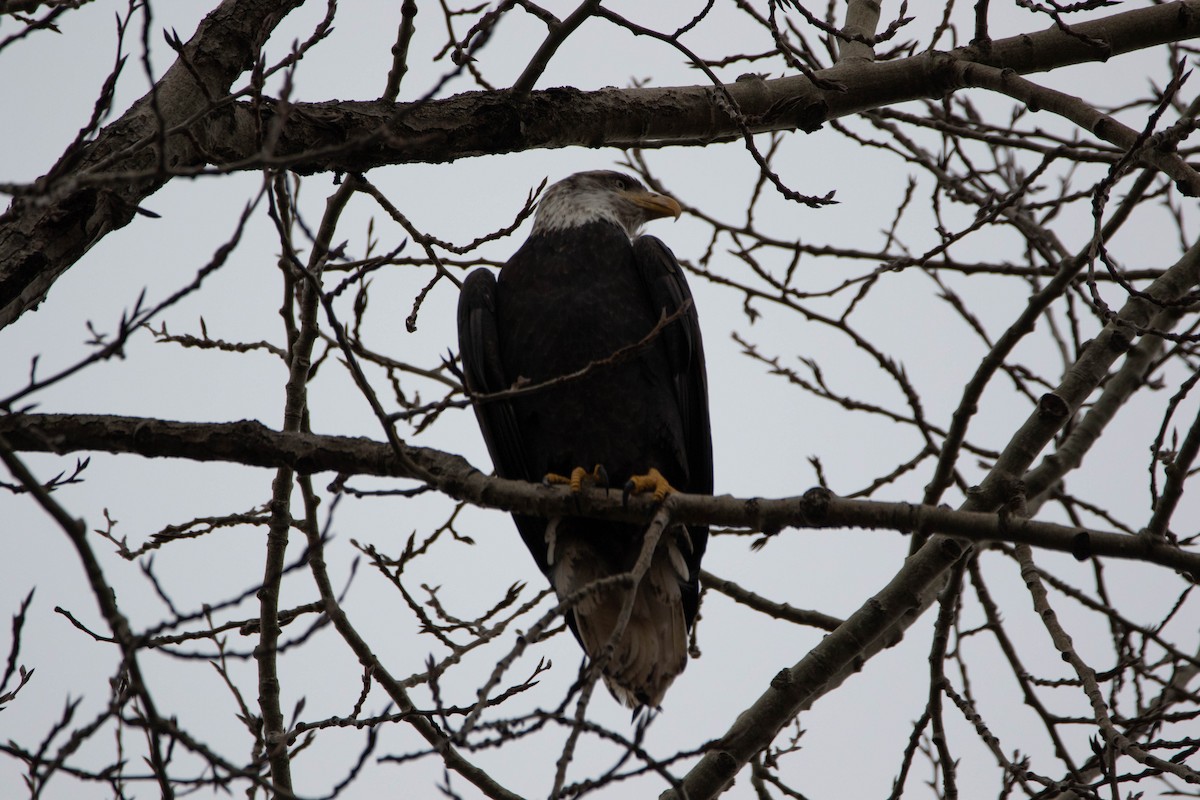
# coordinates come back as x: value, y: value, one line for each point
x: 656, y: 205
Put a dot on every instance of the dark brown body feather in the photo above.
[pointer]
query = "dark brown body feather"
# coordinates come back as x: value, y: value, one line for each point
x: 572, y: 300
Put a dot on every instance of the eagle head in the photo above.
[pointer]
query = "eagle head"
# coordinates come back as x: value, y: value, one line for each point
x: 602, y: 195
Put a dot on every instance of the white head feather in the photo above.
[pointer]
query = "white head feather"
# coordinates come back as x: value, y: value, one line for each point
x: 602, y: 195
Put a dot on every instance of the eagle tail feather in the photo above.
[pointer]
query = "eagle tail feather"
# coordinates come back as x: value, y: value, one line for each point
x: 652, y: 650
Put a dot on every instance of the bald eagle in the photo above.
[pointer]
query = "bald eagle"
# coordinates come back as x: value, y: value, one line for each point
x: 571, y: 322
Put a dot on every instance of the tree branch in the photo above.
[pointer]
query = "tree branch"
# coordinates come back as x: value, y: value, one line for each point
x: 253, y: 444
x: 883, y: 619
x: 40, y: 240
x: 357, y: 136
x: 98, y: 190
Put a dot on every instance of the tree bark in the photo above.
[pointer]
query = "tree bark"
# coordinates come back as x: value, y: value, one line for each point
x: 253, y: 444
x: 97, y: 190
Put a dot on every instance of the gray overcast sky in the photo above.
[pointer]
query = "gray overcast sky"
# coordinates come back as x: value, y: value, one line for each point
x: 763, y: 432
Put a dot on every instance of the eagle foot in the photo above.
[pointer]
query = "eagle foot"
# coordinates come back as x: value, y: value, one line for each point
x: 652, y: 480
x: 598, y: 476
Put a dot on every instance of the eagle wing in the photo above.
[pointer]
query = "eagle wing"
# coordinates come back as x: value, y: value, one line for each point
x: 669, y: 292
x: 653, y: 649
x: 483, y: 373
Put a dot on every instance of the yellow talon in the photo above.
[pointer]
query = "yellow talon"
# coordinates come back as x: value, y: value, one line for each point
x: 597, y: 476
x: 653, y: 479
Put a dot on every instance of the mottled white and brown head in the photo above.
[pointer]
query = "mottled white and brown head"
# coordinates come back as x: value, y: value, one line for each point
x: 601, y: 195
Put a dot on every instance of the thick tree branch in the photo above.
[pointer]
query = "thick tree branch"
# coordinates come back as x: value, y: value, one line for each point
x: 98, y: 190
x: 355, y: 136
x: 253, y: 444
x: 40, y: 240
x: 862, y: 18
x: 884, y: 618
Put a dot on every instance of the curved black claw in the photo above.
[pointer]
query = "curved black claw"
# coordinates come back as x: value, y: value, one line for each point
x: 578, y: 478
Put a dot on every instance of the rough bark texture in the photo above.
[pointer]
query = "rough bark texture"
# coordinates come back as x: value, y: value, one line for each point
x: 253, y: 444
x: 883, y: 619
x: 355, y: 136
x: 97, y: 190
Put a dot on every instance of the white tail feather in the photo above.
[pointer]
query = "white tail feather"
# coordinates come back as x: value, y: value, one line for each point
x: 652, y: 650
